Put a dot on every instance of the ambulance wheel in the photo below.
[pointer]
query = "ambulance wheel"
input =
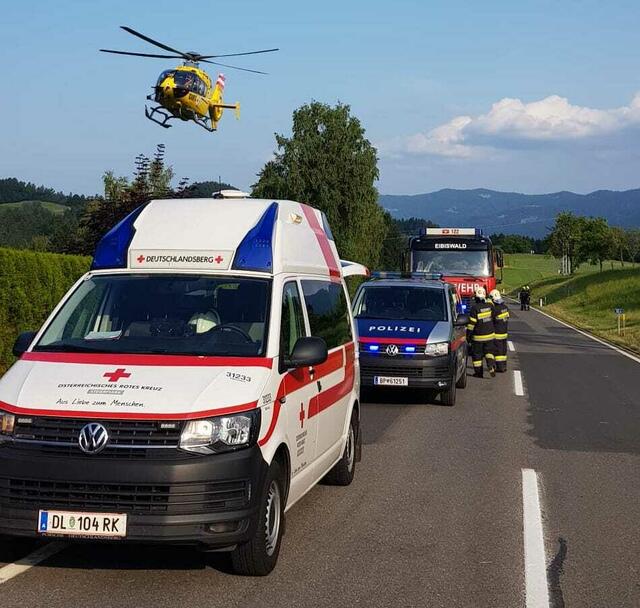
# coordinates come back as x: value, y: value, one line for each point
x: 448, y: 397
x: 258, y: 556
x: 344, y: 470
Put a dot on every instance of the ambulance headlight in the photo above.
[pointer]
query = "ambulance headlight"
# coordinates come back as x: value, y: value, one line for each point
x: 437, y: 349
x: 220, y: 434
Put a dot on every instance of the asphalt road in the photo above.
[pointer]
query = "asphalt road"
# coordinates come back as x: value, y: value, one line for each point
x: 435, y: 515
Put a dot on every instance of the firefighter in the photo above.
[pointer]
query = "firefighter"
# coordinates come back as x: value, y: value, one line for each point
x: 500, y: 323
x: 525, y: 297
x: 480, y: 334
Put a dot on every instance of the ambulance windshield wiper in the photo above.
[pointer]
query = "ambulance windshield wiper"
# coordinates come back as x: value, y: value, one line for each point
x: 70, y: 348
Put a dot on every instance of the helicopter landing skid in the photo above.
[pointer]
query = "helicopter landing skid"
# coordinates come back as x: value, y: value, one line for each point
x: 165, y: 117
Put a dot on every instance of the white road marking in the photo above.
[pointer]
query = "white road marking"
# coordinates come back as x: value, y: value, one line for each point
x: 517, y: 383
x: 535, y: 562
x: 33, y: 559
x: 511, y: 345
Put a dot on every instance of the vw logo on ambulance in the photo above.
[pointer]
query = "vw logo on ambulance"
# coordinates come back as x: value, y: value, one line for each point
x: 93, y: 438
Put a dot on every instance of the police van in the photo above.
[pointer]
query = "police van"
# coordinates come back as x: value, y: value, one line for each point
x: 191, y: 387
x: 410, y: 333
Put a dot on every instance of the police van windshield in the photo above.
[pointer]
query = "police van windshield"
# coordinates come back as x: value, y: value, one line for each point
x: 165, y: 314
x: 473, y: 263
x: 401, y: 303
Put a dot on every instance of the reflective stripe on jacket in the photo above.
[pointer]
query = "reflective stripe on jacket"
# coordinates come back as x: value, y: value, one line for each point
x: 500, y: 320
x: 480, y: 325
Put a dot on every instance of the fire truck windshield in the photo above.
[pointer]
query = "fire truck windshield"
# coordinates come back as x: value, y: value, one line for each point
x: 472, y: 263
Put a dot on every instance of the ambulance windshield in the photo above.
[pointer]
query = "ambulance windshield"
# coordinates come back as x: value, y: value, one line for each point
x: 413, y: 303
x: 472, y: 263
x: 163, y: 314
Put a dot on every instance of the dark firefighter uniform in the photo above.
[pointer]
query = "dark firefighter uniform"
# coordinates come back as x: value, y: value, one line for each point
x: 480, y: 335
x: 500, y: 324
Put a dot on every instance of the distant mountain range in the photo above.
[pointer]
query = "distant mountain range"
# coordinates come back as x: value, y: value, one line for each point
x: 511, y: 212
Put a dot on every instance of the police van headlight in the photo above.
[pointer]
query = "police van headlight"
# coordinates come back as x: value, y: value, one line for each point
x: 437, y: 349
x: 7, y: 425
x: 220, y: 434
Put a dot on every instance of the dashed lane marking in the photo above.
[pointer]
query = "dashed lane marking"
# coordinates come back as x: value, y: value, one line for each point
x: 517, y: 383
x: 511, y: 345
x: 535, y: 563
x: 29, y: 561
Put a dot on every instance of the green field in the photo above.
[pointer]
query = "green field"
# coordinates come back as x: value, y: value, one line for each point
x: 56, y: 208
x: 587, y: 299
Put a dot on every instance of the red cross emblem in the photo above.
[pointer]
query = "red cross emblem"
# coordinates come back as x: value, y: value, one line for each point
x: 302, y: 415
x: 140, y: 259
x: 116, y: 375
x: 219, y: 259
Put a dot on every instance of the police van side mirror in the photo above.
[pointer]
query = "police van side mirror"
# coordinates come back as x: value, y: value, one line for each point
x: 22, y: 343
x: 461, y: 321
x: 306, y: 352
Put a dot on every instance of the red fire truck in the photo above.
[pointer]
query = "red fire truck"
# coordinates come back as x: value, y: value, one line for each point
x: 463, y: 256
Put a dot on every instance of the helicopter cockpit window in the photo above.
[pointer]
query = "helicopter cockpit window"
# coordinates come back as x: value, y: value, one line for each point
x: 163, y: 76
x: 190, y: 82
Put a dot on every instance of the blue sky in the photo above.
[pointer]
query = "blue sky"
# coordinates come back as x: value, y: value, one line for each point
x: 526, y: 96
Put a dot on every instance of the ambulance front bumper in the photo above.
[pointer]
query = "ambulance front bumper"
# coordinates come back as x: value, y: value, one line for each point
x: 203, y: 500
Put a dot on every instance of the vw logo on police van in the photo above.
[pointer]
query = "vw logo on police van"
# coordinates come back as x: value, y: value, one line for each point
x: 93, y: 438
x: 392, y: 350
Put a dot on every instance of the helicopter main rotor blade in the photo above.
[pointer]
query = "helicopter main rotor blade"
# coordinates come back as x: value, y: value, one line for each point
x: 142, y: 54
x: 238, y: 54
x: 154, y: 42
x: 234, y: 67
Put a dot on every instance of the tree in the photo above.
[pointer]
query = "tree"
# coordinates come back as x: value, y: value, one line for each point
x: 151, y: 179
x: 595, y: 240
x: 329, y: 163
x: 565, y: 237
x: 394, y: 243
x: 632, y: 239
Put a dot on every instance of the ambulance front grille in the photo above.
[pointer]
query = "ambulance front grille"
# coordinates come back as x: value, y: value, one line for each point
x: 171, y: 499
x: 127, y: 438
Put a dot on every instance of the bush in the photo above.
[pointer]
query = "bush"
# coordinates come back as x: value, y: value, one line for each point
x: 31, y: 284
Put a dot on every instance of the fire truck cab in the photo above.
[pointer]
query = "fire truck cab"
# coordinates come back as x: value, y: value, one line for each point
x: 463, y: 256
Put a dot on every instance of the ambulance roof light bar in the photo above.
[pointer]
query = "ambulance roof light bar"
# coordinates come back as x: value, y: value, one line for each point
x: 451, y: 232
x: 231, y: 194
x: 113, y: 247
x: 425, y: 276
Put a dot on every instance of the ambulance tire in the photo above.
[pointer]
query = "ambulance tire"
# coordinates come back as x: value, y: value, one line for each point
x: 258, y: 556
x: 344, y: 470
x: 448, y: 397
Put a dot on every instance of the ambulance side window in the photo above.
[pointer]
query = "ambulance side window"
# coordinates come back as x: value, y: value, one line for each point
x: 292, y: 321
x: 328, y: 312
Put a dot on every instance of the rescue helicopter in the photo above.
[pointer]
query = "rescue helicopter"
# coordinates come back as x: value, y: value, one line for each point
x: 187, y: 92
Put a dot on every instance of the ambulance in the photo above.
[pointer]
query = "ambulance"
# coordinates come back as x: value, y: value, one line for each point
x: 191, y: 387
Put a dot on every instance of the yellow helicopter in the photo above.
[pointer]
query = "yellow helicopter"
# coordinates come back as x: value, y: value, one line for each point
x: 187, y: 92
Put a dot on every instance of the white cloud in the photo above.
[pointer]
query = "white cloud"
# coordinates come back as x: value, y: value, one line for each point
x: 511, y: 120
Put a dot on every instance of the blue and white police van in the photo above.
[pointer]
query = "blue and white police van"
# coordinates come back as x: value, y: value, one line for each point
x: 410, y: 334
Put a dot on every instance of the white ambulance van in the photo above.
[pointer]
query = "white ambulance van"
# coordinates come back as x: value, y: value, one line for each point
x: 190, y: 388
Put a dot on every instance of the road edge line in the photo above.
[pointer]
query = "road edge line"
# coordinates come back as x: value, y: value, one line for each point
x: 27, y: 562
x: 535, y: 562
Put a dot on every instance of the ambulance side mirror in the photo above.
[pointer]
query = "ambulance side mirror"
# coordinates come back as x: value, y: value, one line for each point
x: 22, y: 343
x: 306, y: 352
x: 461, y: 321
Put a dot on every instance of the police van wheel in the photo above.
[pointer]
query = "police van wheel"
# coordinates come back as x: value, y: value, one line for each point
x: 258, y: 556
x: 448, y: 397
x: 344, y: 470
x: 462, y: 381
